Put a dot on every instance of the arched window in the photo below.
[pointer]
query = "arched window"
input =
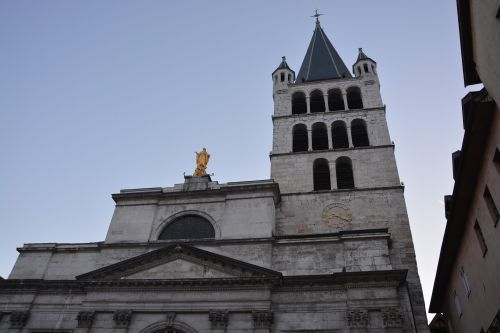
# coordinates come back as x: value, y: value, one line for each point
x: 339, y: 135
x: 317, y: 101
x: 359, y: 70
x: 299, y: 138
x: 321, y: 175
x: 299, y: 104
x: 289, y: 77
x: 373, y: 69
x: 188, y: 227
x: 319, y: 136
x: 354, y: 100
x: 359, y: 133
x: 335, y: 100
x: 282, y: 77
x: 343, y: 168
x: 365, y: 66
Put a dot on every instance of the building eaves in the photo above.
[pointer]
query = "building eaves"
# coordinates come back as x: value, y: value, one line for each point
x: 466, y: 45
x: 477, y: 128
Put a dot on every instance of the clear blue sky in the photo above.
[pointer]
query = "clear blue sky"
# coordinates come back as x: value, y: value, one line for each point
x: 96, y: 96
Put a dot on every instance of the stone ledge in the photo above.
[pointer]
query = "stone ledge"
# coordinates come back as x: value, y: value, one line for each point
x: 271, y: 154
x: 327, y: 113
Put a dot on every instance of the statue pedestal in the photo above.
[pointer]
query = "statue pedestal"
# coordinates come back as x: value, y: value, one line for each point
x: 196, y: 183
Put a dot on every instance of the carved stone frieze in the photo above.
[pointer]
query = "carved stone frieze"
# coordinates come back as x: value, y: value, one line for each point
x: 357, y: 318
x: 218, y: 319
x: 122, y: 318
x: 392, y: 317
x: 262, y: 319
x: 19, y: 318
x: 85, y: 318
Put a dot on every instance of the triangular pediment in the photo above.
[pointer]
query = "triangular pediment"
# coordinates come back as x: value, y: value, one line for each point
x: 179, y: 262
x: 182, y: 268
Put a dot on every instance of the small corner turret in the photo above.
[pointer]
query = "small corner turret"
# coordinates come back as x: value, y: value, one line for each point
x: 282, y: 76
x: 364, y: 65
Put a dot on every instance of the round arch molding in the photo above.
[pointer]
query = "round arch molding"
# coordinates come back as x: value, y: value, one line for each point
x: 172, y: 218
x: 166, y: 327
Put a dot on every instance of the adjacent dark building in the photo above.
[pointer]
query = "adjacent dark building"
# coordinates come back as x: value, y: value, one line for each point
x: 466, y: 290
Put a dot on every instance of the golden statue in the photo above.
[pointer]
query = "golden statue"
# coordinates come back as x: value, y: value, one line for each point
x: 201, y: 163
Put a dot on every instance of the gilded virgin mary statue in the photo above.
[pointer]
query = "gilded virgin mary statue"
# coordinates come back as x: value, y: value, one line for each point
x: 201, y: 163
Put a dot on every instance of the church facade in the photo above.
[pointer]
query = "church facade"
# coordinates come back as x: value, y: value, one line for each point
x: 323, y: 246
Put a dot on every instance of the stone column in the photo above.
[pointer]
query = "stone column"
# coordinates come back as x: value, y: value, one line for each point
x: 349, y: 136
x: 122, y: 318
x: 329, y: 133
x: 262, y: 321
x: 309, y: 139
x: 18, y: 319
x: 333, y: 175
x: 218, y: 320
x: 344, y: 97
x: 326, y: 103
x: 357, y: 319
x: 85, y: 320
x: 308, y: 100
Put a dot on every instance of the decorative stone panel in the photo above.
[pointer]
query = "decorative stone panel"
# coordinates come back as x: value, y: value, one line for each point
x: 85, y: 318
x: 262, y: 319
x: 392, y: 317
x: 122, y: 318
x: 19, y: 318
x: 218, y: 319
x: 357, y: 318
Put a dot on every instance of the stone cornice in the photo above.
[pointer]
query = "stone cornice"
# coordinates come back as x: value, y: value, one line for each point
x: 382, y: 188
x: 382, y: 108
x: 157, y: 193
x: 271, y: 155
x: 342, y: 280
x: 78, y: 247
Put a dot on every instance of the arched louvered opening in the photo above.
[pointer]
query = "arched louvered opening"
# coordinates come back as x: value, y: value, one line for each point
x: 354, y: 100
x: 365, y: 66
x: 339, y: 135
x: 299, y: 104
x: 317, y: 101
x: 321, y: 175
x: 188, y: 227
x: 299, y: 138
x: 343, y: 168
x: 359, y: 133
x: 319, y: 136
x: 335, y: 100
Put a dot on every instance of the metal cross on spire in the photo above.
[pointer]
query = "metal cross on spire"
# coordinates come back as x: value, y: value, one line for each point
x: 316, y: 15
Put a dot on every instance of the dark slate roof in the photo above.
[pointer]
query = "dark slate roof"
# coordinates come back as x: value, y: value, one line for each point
x: 363, y: 56
x: 283, y: 65
x: 322, y: 62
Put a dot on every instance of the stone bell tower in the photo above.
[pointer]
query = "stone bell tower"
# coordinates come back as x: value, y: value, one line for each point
x: 334, y: 161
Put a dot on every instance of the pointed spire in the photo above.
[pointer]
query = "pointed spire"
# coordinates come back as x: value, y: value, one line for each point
x: 283, y: 65
x: 363, y: 56
x: 322, y: 62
